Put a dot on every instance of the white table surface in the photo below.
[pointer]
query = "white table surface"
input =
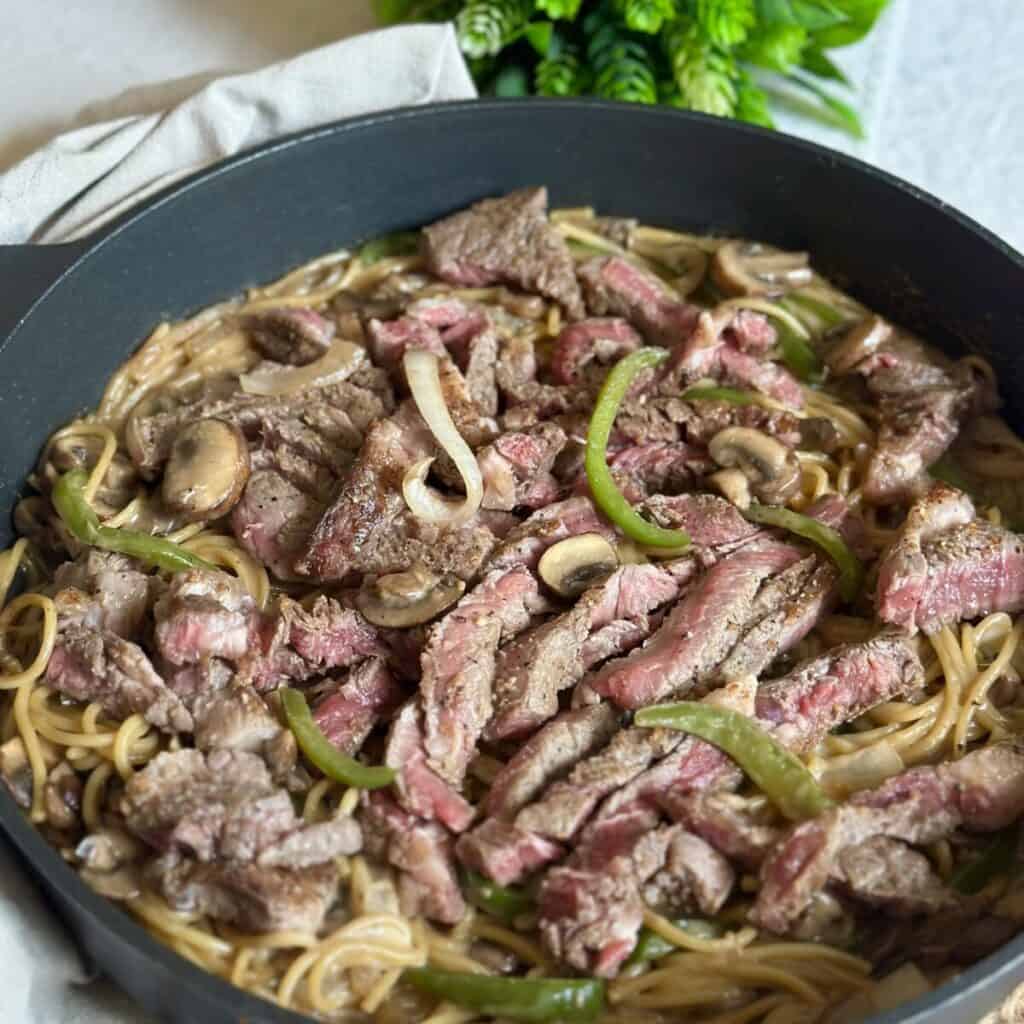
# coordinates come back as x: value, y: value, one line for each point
x: 941, y: 89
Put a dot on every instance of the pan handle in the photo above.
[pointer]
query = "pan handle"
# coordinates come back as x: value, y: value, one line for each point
x: 26, y: 272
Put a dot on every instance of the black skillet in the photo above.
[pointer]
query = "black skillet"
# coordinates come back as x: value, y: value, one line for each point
x: 70, y: 313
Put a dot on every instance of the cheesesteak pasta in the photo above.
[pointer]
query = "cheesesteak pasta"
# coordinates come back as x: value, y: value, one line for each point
x: 537, y: 616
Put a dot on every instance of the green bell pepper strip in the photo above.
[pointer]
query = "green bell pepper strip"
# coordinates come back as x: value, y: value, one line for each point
x: 608, y: 498
x: 400, y: 243
x: 499, y: 901
x: 822, y: 310
x: 532, y: 999
x: 323, y: 754
x: 996, y: 859
x: 851, y: 571
x: 776, y: 771
x: 651, y: 946
x: 734, y: 396
x: 76, y: 513
x: 798, y: 356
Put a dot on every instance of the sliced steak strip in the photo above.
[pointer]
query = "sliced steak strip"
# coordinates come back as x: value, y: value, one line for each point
x: 527, y: 542
x: 535, y: 668
x: 506, y: 240
x: 887, y: 669
x: 785, y: 610
x: 250, y: 897
x: 724, y: 820
x: 420, y: 789
x: 650, y: 418
x: 422, y: 852
x: 458, y: 665
x: 984, y: 791
x: 224, y: 806
x: 339, y: 413
x: 614, y: 286
x: 698, y: 633
x: 549, y: 754
x: 516, y: 468
x: 505, y: 853
x: 565, y: 806
x: 601, y: 339
x: 204, y: 614
x: 923, y: 405
x: 347, y: 714
x: 369, y: 529
x: 658, y: 468
x: 389, y: 340
x: 273, y: 520
x: 946, y: 566
x: 290, y: 334
x: 99, y: 666
x: 713, y: 524
x: 802, y: 707
x: 116, y: 592
x: 233, y: 719
x: 888, y: 874
x: 693, y: 875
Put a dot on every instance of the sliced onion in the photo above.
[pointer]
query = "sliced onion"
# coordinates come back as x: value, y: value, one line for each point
x: 341, y: 360
x: 421, y: 372
x: 864, y: 769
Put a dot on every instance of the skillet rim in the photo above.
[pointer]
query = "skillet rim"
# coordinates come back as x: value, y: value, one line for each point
x: 44, y: 863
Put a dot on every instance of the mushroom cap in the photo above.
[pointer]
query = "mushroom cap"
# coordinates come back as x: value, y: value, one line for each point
x: 207, y: 470
x: 409, y: 598
x: 749, y: 268
x: 576, y: 563
x: 772, y: 469
x: 857, y: 343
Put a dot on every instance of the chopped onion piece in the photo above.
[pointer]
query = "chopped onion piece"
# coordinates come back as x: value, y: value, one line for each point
x: 421, y: 371
x: 864, y: 769
x: 341, y: 360
x: 899, y: 987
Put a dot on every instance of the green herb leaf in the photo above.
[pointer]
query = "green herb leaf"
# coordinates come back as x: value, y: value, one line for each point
x: 726, y: 22
x: 817, y: 63
x: 861, y: 16
x: 778, y: 47
x: 563, y: 9
x: 539, y: 34
x: 809, y: 14
x: 561, y: 73
x: 841, y: 113
x: 485, y: 27
x: 511, y: 81
x: 646, y: 15
x: 705, y: 75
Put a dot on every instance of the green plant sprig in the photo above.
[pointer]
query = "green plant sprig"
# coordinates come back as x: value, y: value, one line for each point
x: 731, y: 58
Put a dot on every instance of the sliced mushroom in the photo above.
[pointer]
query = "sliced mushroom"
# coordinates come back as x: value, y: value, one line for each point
x: 123, y: 884
x: 818, y: 434
x: 749, y: 268
x: 772, y: 469
x: 207, y: 470
x: 857, y: 343
x: 296, y: 336
x: 107, y: 850
x: 16, y: 771
x: 572, y: 565
x: 62, y: 797
x: 733, y: 485
x: 408, y: 598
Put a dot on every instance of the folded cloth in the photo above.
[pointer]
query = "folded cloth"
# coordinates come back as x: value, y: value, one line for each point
x: 84, y: 178
x: 87, y: 176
